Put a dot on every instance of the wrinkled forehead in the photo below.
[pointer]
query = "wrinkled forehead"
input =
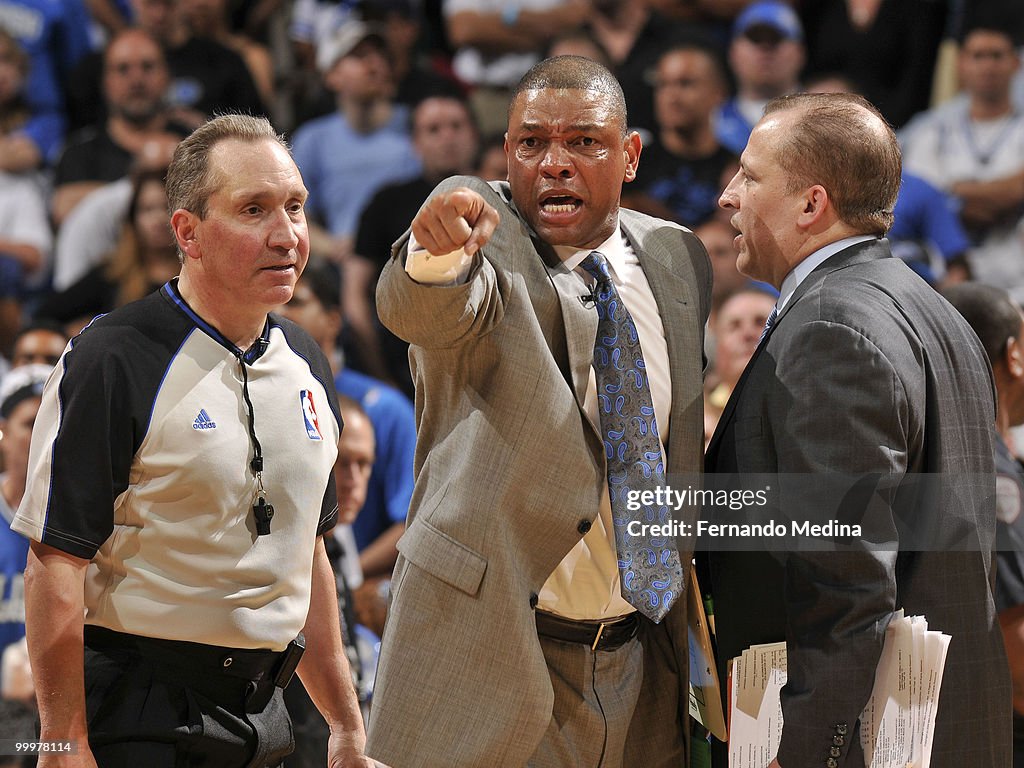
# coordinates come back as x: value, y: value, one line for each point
x: 563, y: 108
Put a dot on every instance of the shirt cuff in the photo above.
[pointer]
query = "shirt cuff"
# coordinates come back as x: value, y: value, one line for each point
x: 443, y: 270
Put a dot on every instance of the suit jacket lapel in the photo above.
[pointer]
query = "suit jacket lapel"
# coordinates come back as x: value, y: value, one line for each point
x: 580, y: 325
x: 855, y: 254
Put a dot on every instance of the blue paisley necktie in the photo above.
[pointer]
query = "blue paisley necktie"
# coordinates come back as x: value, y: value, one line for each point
x: 649, y: 567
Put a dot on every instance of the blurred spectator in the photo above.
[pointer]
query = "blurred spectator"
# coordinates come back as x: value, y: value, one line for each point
x: 25, y: 243
x: 135, y: 80
x: 19, y: 719
x: 357, y: 452
x: 973, y: 147
x: 314, y: 22
x: 415, y: 75
x: 496, y: 41
x: 634, y: 35
x: 54, y: 35
x: 90, y: 231
x: 40, y: 342
x: 345, y: 157
x: 209, y: 19
x: 415, y: 72
x: 737, y: 328
x: 316, y: 306
x: 579, y: 42
x: 446, y: 141
x: 718, y: 237
x: 111, y: 15
x: 996, y: 318
x: 145, y: 258
x: 491, y: 161
x: 927, y: 233
x: 886, y: 47
x: 680, y: 172
x: 19, y: 401
x: 206, y: 77
x: 27, y: 137
x: 766, y: 55
x: 352, y: 471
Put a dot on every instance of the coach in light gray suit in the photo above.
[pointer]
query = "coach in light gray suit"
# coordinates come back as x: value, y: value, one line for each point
x: 510, y: 465
x: 865, y: 371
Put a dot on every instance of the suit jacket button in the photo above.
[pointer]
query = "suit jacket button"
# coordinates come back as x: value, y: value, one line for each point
x: 835, y: 751
x: 533, y: 599
x: 841, y: 729
x: 831, y: 763
x: 584, y: 527
x: 838, y: 741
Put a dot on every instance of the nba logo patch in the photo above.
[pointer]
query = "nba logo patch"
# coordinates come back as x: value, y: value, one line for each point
x: 309, y: 415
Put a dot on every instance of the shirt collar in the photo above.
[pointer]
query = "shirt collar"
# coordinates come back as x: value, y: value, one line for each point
x: 614, y: 250
x: 800, y: 272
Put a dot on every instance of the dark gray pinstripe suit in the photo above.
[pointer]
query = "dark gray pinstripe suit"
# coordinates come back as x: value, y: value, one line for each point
x: 868, y: 370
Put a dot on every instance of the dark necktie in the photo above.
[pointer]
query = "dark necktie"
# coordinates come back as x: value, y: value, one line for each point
x: 649, y: 567
x: 772, y: 317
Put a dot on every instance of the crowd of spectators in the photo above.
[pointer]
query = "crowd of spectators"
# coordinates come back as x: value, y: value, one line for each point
x: 383, y: 98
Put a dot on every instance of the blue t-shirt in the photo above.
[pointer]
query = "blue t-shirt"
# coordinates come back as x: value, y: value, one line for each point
x: 391, y: 482
x: 731, y: 128
x: 925, y: 212
x: 55, y: 35
x: 926, y: 231
x: 342, y: 169
x: 13, y: 556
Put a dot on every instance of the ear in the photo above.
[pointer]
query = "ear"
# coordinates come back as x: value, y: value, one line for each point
x: 335, y: 322
x: 631, y: 148
x: 185, y: 223
x: 1014, y: 357
x: 814, y: 202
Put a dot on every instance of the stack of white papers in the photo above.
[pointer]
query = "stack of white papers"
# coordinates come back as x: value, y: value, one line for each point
x: 897, y: 724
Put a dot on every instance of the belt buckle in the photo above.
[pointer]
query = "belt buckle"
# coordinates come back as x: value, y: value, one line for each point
x: 597, y: 637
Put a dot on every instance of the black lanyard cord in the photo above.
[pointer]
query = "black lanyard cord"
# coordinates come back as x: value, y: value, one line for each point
x: 262, y: 510
x: 257, y: 457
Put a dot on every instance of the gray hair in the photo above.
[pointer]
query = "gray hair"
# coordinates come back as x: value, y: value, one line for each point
x: 190, y: 181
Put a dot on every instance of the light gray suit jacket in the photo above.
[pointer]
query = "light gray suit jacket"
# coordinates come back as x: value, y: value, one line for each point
x: 869, y: 374
x: 509, y: 472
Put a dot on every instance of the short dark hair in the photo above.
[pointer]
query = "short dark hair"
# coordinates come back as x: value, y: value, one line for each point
x: 844, y: 144
x: 989, y: 21
x: 990, y: 311
x: 696, y: 45
x: 443, y: 96
x: 573, y: 73
x: 44, y: 324
x: 189, y: 180
x: 325, y: 284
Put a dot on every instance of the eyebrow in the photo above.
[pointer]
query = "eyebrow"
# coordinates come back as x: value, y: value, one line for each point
x: 244, y: 195
x: 575, y: 127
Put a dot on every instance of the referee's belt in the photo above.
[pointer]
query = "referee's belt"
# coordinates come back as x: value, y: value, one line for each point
x: 599, y: 635
x: 243, y: 663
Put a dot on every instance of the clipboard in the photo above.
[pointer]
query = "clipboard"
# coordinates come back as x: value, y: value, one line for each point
x: 705, y: 692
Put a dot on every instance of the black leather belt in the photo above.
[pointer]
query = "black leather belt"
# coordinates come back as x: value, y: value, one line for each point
x: 241, y: 663
x: 599, y: 635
